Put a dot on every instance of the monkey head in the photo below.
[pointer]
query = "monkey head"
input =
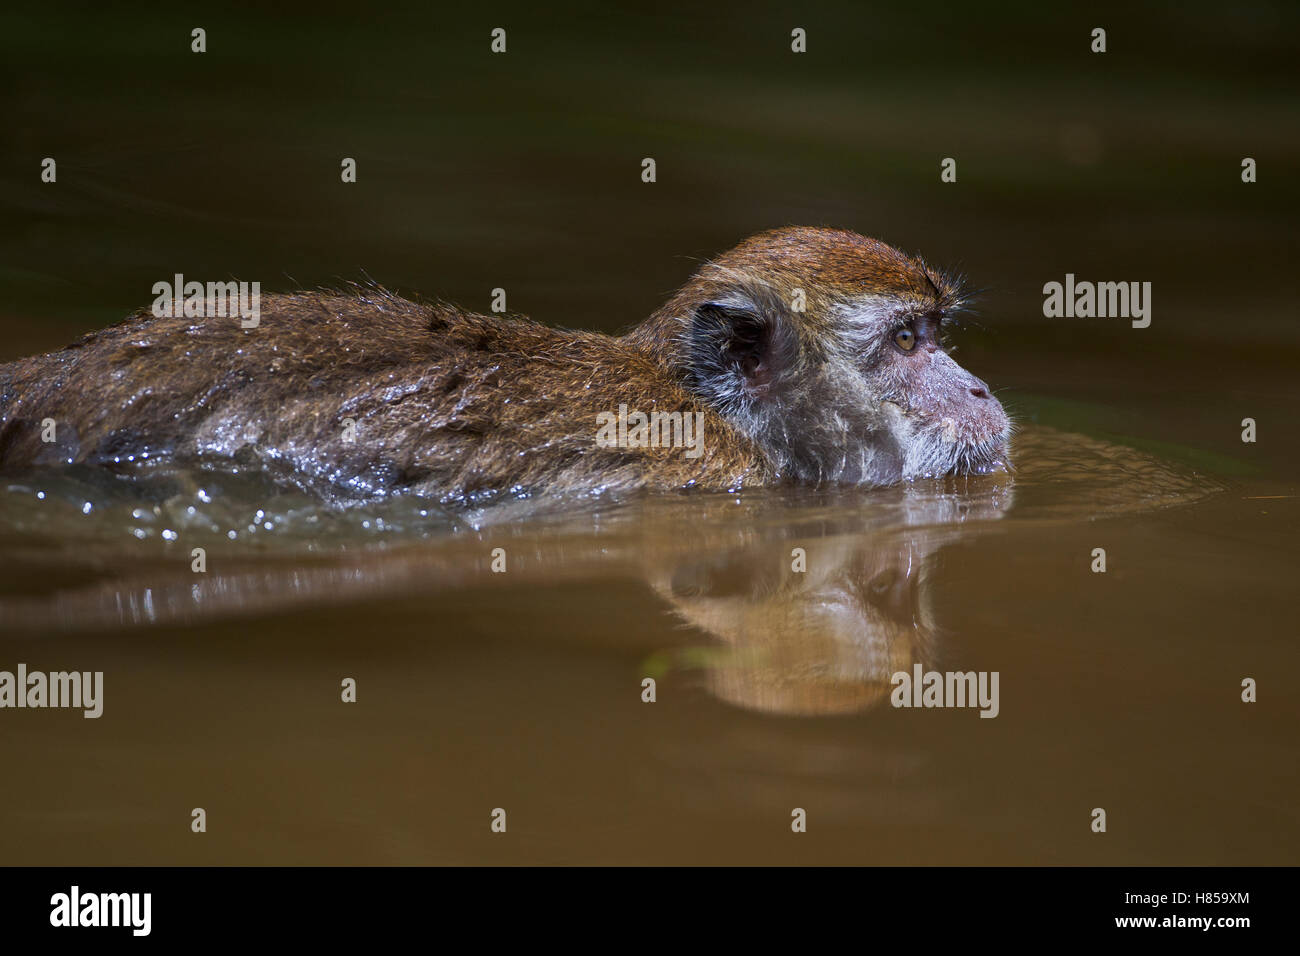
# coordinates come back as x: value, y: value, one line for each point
x: 826, y: 349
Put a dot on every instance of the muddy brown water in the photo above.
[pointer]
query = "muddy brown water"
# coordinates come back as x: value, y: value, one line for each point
x: 522, y: 690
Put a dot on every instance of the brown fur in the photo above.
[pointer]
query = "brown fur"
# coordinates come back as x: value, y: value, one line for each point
x: 445, y: 402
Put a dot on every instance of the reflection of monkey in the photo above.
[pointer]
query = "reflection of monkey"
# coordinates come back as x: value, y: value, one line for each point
x: 811, y: 355
x: 827, y: 640
x: 822, y: 642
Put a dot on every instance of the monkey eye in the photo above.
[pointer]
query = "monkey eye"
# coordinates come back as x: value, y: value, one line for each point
x: 905, y: 339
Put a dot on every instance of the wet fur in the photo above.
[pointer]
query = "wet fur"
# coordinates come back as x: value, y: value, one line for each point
x: 467, y: 407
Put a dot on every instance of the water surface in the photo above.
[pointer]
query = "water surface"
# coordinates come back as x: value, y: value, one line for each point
x: 522, y: 689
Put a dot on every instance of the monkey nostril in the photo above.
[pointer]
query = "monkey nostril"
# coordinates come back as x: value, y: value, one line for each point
x: 979, y: 392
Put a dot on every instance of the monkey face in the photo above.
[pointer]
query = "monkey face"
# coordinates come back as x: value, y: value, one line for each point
x: 944, y: 419
x: 825, y: 348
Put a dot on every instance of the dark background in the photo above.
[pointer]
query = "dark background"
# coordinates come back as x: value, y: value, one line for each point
x: 523, y: 170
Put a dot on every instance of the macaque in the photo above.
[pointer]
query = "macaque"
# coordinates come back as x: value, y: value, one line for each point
x: 802, y: 356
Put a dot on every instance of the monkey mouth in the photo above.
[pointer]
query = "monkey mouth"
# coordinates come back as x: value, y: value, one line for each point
x: 940, y: 453
x: 977, y: 458
x: 982, y: 462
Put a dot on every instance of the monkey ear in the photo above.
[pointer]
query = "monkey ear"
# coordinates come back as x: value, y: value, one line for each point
x: 740, y: 351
